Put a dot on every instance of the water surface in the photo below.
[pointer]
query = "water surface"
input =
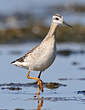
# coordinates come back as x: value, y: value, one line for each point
x: 64, y: 81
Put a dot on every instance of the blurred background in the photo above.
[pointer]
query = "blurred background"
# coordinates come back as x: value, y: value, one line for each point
x: 23, y: 24
x: 24, y: 20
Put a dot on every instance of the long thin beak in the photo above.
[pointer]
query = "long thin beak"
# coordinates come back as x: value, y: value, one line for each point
x: 67, y: 24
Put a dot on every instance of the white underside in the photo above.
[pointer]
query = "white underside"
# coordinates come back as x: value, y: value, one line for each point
x: 41, y: 58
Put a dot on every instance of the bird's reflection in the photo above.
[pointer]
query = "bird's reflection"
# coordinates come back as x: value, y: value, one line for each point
x: 50, y: 85
x: 40, y: 102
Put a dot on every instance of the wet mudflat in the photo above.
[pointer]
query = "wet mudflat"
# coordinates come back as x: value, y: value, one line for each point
x: 64, y: 81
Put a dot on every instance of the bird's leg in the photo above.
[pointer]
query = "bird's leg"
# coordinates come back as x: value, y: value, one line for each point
x: 38, y: 79
x: 38, y: 93
x: 39, y: 74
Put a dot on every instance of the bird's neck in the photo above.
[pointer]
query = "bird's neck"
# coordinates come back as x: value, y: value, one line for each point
x: 52, y: 31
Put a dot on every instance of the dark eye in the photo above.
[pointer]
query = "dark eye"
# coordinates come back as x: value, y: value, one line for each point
x: 57, y: 18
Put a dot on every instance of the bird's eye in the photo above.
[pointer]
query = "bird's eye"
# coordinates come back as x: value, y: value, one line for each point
x: 57, y: 18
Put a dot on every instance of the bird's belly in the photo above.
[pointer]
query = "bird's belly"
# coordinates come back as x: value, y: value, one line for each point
x: 43, y: 62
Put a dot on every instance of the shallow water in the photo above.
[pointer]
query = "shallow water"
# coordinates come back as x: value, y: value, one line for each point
x: 64, y: 81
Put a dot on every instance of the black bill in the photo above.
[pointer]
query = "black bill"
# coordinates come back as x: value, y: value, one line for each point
x: 67, y: 24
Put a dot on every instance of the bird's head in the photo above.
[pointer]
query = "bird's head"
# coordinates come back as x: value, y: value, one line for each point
x: 58, y: 20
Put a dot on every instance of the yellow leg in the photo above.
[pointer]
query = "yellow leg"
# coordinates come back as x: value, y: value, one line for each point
x: 38, y: 91
x: 38, y: 79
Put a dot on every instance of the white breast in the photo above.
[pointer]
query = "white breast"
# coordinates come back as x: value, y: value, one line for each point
x: 43, y: 56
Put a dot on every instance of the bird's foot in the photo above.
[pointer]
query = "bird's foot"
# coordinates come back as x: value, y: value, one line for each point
x: 40, y: 85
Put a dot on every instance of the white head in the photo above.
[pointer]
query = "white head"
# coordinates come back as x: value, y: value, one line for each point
x: 58, y: 20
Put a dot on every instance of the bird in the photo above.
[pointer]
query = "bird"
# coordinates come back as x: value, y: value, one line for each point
x: 43, y: 55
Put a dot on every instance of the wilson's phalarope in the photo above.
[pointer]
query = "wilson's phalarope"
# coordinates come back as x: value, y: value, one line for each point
x: 43, y: 55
